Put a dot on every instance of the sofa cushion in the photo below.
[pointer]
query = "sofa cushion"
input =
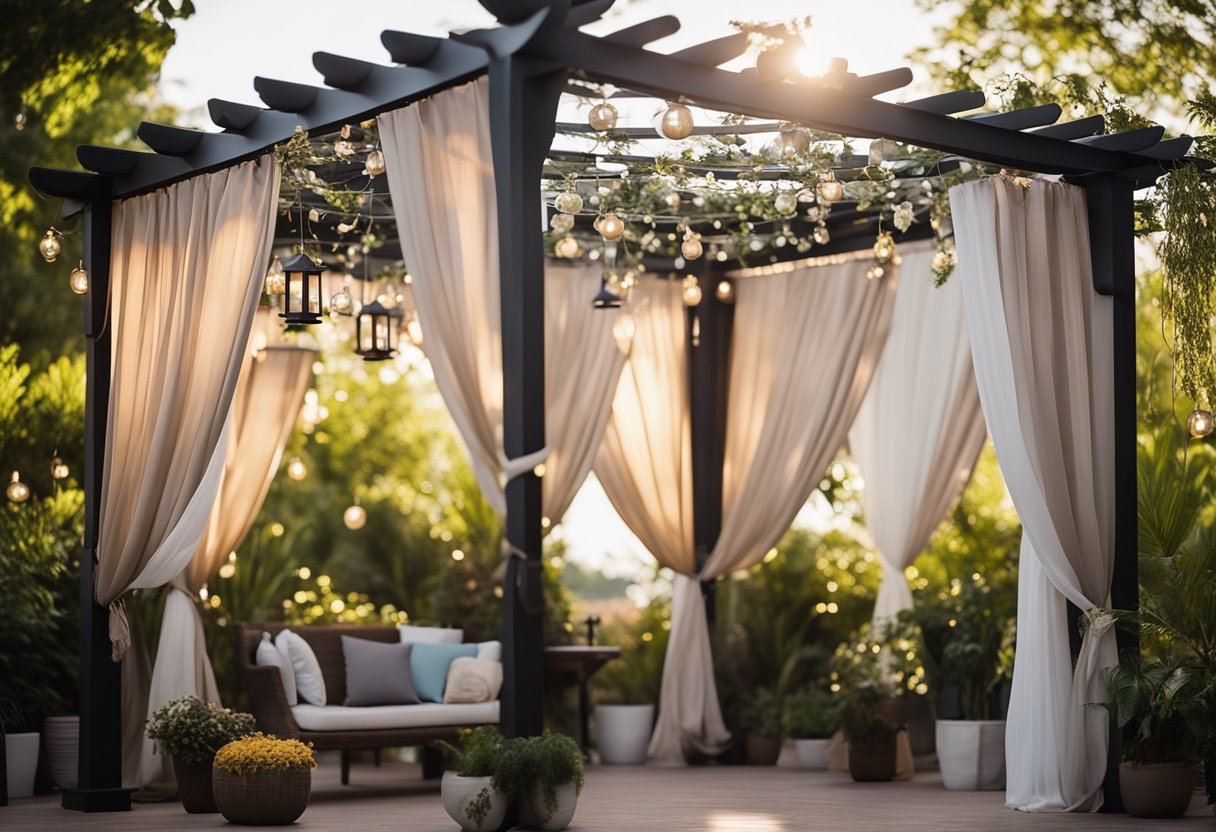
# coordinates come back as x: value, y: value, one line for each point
x: 310, y: 685
x: 472, y: 680
x: 270, y: 654
x: 378, y: 673
x: 490, y: 651
x: 429, y: 667
x: 430, y: 635
x: 384, y: 717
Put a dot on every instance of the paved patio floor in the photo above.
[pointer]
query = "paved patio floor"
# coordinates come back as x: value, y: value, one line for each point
x: 627, y: 799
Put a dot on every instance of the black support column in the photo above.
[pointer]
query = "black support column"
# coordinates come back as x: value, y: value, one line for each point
x: 100, y: 766
x: 1112, y: 244
x: 523, y: 109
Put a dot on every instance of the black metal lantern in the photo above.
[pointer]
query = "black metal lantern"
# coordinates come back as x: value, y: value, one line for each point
x: 375, y: 332
x: 606, y: 298
x: 303, y: 291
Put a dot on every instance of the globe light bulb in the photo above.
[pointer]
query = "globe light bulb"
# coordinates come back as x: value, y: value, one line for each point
x: 354, y: 517
x: 692, y: 291
x: 602, y: 117
x: 691, y: 248
x: 1200, y: 423
x: 785, y: 203
x: 725, y: 291
x: 568, y: 202
x: 341, y: 303
x: 78, y: 281
x: 568, y: 247
x: 821, y: 235
x: 17, y: 491
x: 59, y: 469
x: 562, y: 223
x: 297, y: 470
x: 830, y: 190
x: 675, y: 122
x: 374, y: 163
x: 884, y: 248
x: 49, y: 246
x: 611, y: 227
x: 276, y: 281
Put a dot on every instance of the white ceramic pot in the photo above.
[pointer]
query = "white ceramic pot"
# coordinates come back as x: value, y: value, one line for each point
x: 533, y: 814
x: 460, y: 794
x: 812, y: 754
x: 61, y: 736
x: 971, y: 753
x: 21, y: 757
x: 622, y: 733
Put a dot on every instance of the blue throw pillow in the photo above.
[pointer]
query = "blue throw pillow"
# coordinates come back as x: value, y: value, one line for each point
x: 429, y: 667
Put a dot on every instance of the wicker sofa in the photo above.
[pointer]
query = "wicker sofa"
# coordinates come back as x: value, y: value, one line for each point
x: 334, y: 727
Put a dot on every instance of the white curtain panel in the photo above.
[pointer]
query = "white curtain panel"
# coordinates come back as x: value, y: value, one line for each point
x: 186, y: 275
x: 920, y: 427
x: 804, y: 348
x: 1041, y: 339
x: 438, y: 159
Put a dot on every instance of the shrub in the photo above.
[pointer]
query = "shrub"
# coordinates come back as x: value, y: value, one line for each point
x: 532, y: 764
x: 812, y: 713
x: 864, y: 719
x: 192, y: 729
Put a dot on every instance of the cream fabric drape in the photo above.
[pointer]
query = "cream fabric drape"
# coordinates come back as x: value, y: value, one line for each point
x: 804, y: 346
x: 268, y: 397
x: 1042, y: 344
x: 186, y: 275
x: 441, y: 179
x: 920, y: 427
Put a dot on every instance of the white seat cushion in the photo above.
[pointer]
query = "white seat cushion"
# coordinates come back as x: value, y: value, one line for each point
x: 380, y: 717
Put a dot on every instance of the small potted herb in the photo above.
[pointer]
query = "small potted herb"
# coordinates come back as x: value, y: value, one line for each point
x: 261, y: 780
x: 545, y: 775
x: 191, y: 730
x: 761, y: 717
x: 871, y: 735
x: 470, y: 796
x: 812, y: 716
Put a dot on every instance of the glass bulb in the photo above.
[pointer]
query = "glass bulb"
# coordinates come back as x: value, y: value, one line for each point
x: 562, y: 223
x: 611, y: 227
x: 354, y: 517
x: 602, y: 117
x: 830, y: 190
x: 297, y: 470
x: 568, y: 202
x: 568, y: 247
x: 17, y: 491
x: 49, y: 246
x: 691, y: 248
x: 1200, y: 423
x: 725, y: 291
x: 375, y: 163
x: 59, y: 469
x: 341, y: 303
x: 785, y: 203
x: 692, y: 291
x: 79, y: 280
x: 674, y: 123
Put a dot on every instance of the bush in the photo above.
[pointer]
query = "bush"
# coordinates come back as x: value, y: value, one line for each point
x: 812, y: 713
x: 479, y: 751
x: 531, y: 764
x: 864, y: 718
x: 192, y: 730
x: 762, y: 713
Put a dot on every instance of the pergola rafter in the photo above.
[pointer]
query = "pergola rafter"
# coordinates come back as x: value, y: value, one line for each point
x: 527, y: 59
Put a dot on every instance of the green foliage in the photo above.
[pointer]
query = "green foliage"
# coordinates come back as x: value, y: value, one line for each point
x: 812, y: 713
x: 635, y: 677
x: 479, y: 752
x: 528, y: 765
x: 882, y: 656
x: 191, y: 729
x: 864, y: 717
x: 762, y: 713
x: 1160, y: 699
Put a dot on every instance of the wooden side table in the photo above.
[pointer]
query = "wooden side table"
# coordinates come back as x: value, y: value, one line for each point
x: 575, y: 664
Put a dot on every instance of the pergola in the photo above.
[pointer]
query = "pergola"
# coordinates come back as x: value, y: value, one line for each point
x: 527, y: 59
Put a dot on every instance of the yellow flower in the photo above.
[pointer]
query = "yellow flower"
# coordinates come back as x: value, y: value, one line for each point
x: 264, y: 752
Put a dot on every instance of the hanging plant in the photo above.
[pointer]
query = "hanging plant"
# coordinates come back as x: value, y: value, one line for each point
x: 1188, y: 264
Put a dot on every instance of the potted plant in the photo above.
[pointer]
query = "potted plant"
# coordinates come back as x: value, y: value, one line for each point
x: 469, y: 794
x: 20, y: 752
x: 191, y: 730
x: 811, y: 717
x: 625, y: 693
x: 261, y: 780
x: 761, y: 719
x: 967, y: 647
x: 545, y: 776
x: 871, y: 734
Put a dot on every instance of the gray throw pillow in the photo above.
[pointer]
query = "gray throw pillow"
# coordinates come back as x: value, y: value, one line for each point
x: 378, y: 673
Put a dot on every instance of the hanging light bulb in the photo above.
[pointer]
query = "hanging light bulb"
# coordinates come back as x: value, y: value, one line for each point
x: 276, y: 281
x: 568, y: 247
x: 17, y: 491
x: 725, y: 291
x: 568, y: 202
x: 375, y: 163
x: 785, y: 203
x: 297, y: 470
x: 344, y: 149
x: 830, y: 189
x: 78, y: 281
x: 413, y: 330
x: 562, y: 223
x: 59, y: 469
x: 884, y: 247
x: 692, y: 291
x: 672, y: 201
x: 1200, y: 423
x: 821, y: 235
x: 675, y: 122
x: 341, y: 303
x: 875, y: 272
x: 691, y: 248
x: 602, y: 117
x: 611, y: 227
x: 49, y: 246
x: 354, y: 517
x: 623, y: 330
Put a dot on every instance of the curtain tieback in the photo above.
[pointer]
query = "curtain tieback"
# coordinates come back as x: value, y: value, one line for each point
x: 120, y: 629
x: 510, y: 550
x: 512, y: 468
x: 1098, y: 621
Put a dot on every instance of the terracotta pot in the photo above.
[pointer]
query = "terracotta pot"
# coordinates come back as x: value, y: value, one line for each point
x: 458, y: 792
x: 533, y: 814
x: 872, y: 761
x: 1159, y: 790
x: 194, y: 786
x: 812, y: 754
x: 264, y: 798
x: 763, y: 751
x: 971, y: 753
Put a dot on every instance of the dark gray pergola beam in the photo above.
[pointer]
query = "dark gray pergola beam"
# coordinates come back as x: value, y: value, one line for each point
x: 713, y: 53
x: 651, y: 133
x: 1044, y: 114
x: 588, y: 12
x: 948, y: 103
x: 1077, y: 129
x: 169, y: 140
x: 645, y: 32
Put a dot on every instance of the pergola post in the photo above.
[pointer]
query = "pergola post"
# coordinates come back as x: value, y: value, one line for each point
x: 523, y: 110
x: 1112, y: 247
x: 100, y: 766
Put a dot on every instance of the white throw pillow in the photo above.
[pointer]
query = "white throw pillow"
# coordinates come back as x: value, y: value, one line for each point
x: 430, y: 635
x: 472, y: 680
x: 310, y: 684
x: 269, y: 654
x: 489, y: 651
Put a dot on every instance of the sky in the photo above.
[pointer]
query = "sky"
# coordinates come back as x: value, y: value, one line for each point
x: 226, y: 43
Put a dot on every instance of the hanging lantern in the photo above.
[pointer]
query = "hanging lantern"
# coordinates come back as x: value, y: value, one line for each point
x: 302, y: 295
x: 59, y: 469
x: 1200, y: 423
x: 49, y: 246
x: 691, y: 248
x: 297, y: 470
x: 675, y: 122
x: 375, y: 333
x: 568, y: 247
x: 78, y: 281
x: 884, y: 247
x: 830, y: 189
x: 276, y: 284
x: 692, y: 291
x: 602, y: 117
x: 606, y: 298
x: 17, y: 491
x: 568, y: 202
x: 611, y: 227
x: 725, y: 291
x: 354, y: 517
x: 375, y: 163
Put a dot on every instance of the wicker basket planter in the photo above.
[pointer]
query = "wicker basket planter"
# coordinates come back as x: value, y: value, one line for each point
x: 263, y: 798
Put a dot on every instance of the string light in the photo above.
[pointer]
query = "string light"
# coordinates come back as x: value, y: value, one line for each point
x: 692, y: 291
x: 78, y: 281
x: 568, y: 202
x: 49, y: 246
x: 354, y: 517
x: 611, y: 227
x: 725, y: 291
x: 59, y: 469
x: 675, y: 122
x: 602, y: 117
x: 375, y: 163
x: 17, y: 491
x: 297, y: 470
x: 1200, y: 423
x: 830, y: 189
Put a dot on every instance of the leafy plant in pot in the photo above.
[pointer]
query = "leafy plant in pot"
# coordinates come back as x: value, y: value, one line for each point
x: 811, y: 717
x: 871, y: 735
x: 545, y: 776
x: 470, y: 794
x: 626, y: 689
x: 191, y: 730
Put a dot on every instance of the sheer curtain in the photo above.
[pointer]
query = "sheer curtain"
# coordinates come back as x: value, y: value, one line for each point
x: 442, y: 184
x: 186, y: 276
x: 1041, y: 341
x: 920, y: 427
x: 804, y: 346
